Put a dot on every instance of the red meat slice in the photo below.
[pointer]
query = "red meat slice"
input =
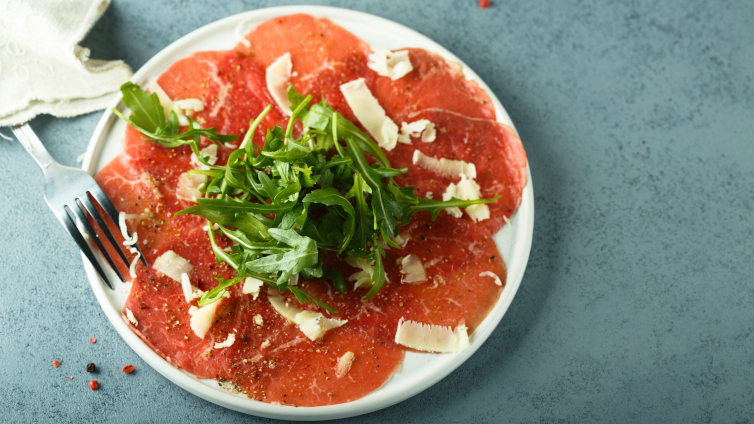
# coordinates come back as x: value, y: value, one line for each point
x: 434, y: 83
x: 492, y: 147
x: 317, y: 46
x: 305, y: 373
x: 274, y: 362
x: 324, y: 56
x: 231, y: 86
x: 455, y: 293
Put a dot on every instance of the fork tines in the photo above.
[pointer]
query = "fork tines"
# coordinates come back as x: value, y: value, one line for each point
x: 76, y: 219
x: 69, y: 193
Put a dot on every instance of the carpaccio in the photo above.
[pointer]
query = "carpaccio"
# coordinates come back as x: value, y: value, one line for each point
x: 274, y: 362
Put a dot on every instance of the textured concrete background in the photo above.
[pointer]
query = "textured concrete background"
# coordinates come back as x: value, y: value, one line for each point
x: 637, y: 305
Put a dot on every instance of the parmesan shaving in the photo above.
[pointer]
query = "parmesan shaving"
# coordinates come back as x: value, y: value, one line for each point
x: 215, y: 227
x: 448, y: 168
x: 412, y: 269
x: 431, y: 338
x: 369, y: 112
x: 190, y: 292
x: 132, y: 267
x: 390, y: 64
x: 227, y: 343
x: 312, y: 324
x: 429, y: 134
x: 203, y: 318
x: 423, y: 128
x: 344, y: 364
x: 131, y: 317
x: 129, y: 240
x: 209, y: 153
x: 361, y: 278
x: 278, y: 78
x: 251, y: 286
x: 450, y: 193
x: 466, y: 189
x: 399, y: 240
x: 493, y: 275
x: 186, y: 108
x: 258, y: 320
x: 283, y: 308
x: 172, y: 265
x: 266, y: 344
x: 188, y: 186
x: 130, y: 243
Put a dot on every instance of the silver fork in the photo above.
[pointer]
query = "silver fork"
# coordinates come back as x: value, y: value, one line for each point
x: 67, y: 191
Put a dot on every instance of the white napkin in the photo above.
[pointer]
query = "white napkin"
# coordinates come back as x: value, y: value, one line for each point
x: 42, y: 67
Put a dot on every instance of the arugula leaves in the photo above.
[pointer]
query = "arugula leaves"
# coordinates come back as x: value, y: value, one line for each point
x: 294, y: 198
x: 148, y: 118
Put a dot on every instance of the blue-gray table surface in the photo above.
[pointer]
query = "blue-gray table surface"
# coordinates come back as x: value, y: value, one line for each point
x: 637, y: 304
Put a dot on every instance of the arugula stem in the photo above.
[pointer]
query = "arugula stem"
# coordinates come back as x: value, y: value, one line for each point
x: 295, y: 113
x: 338, y: 147
x: 223, y: 189
x: 219, y: 253
x: 253, y: 124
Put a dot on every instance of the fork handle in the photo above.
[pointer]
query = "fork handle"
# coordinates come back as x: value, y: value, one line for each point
x: 31, y: 143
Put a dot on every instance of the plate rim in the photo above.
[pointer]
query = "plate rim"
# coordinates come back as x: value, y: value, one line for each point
x: 524, y: 217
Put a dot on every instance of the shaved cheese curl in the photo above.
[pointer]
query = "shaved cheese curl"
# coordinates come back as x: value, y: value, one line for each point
x: 129, y: 241
x: 466, y: 189
x: 132, y: 267
x: 284, y: 308
x: 172, y: 265
x: 188, y: 186
x: 227, y: 343
x: 361, y: 278
x: 278, y: 78
x: 412, y: 269
x: 431, y: 338
x: 344, y: 364
x: 130, y: 316
x: 190, y: 292
x: 209, y: 153
x: 390, y: 64
x: 423, y: 128
x: 449, y: 168
x: 203, y: 319
x: 252, y: 286
x: 493, y: 275
x: 370, y: 113
x: 186, y: 108
x: 314, y: 324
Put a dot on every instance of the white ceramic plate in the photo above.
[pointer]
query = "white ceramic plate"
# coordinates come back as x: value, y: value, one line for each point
x: 419, y: 371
